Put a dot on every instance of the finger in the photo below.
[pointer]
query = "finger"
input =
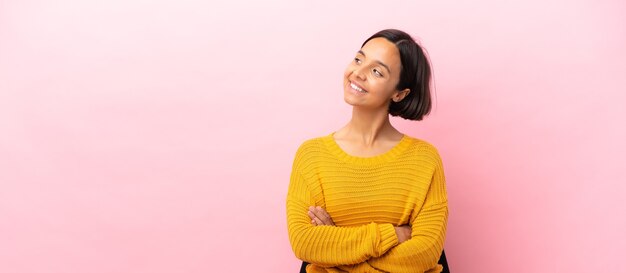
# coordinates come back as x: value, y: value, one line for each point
x: 326, y: 217
x: 330, y: 220
x: 311, y: 214
x: 407, y: 231
x: 316, y: 213
x: 313, y: 222
x: 313, y: 209
x: 318, y: 221
x: 322, y: 215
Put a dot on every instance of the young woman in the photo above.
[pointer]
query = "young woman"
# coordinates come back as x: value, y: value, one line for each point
x: 368, y: 198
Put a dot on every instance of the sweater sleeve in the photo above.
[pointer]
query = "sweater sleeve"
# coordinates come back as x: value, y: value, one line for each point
x: 329, y: 246
x: 421, y: 253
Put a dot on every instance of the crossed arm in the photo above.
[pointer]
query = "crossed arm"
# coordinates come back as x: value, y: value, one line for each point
x: 404, y: 257
x: 319, y: 217
x: 315, y: 238
x: 413, y: 248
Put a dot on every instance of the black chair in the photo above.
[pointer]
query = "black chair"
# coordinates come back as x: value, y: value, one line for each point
x: 442, y: 261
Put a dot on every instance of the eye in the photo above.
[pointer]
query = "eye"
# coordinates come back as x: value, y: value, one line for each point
x: 377, y: 73
x: 357, y: 60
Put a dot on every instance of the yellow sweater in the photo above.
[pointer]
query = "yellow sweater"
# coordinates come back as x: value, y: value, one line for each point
x: 366, y: 197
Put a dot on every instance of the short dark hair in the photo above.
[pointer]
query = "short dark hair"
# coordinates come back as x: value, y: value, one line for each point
x: 414, y: 75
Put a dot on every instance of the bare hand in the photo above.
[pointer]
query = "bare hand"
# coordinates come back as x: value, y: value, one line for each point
x: 319, y: 217
x: 403, y: 233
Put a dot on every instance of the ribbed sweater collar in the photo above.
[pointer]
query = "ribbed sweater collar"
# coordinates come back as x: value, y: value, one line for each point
x: 385, y: 157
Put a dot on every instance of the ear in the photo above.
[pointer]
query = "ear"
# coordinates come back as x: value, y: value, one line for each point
x: 399, y: 96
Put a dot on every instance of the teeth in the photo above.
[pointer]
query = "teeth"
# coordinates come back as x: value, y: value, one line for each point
x: 356, y: 88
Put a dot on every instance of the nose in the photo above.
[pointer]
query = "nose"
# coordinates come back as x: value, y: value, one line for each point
x: 358, y: 72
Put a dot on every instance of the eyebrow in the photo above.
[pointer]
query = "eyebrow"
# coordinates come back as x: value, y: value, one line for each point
x: 381, y: 63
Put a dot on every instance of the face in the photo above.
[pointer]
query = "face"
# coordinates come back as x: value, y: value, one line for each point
x: 371, y: 78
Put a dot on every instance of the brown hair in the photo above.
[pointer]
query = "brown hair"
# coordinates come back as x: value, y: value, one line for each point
x: 415, y: 75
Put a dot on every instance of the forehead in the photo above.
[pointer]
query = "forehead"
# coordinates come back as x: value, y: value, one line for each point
x: 383, y: 50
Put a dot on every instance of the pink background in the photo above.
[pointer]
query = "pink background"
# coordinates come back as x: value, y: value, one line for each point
x: 158, y: 136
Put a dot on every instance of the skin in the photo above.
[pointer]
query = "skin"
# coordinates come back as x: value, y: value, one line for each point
x: 376, y: 69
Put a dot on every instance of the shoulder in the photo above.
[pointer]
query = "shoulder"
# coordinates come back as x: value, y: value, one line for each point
x: 425, y: 148
x: 310, y: 144
x: 309, y: 148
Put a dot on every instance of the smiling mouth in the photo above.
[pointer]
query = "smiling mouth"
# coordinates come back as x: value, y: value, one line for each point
x: 355, y: 87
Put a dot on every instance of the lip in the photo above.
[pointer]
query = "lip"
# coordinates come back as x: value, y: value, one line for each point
x: 351, y: 82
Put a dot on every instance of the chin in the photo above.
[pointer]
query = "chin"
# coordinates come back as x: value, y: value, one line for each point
x: 347, y: 99
x: 350, y: 100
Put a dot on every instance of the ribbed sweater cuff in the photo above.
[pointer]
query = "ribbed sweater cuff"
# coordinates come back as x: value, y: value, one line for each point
x: 388, y: 238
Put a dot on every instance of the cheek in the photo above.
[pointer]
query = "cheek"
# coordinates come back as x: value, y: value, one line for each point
x: 348, y: 71
x: 382, y: 86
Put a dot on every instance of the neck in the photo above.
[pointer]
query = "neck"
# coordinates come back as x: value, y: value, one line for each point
x: 369, y: 126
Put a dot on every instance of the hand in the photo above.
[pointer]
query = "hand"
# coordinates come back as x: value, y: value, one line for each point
x: 403, y: 233
x: 319, y: 217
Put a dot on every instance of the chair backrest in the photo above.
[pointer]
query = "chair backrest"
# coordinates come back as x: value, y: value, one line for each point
x: 442, y: 261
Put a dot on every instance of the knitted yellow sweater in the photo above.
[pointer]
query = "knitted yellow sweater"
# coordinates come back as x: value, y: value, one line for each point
x: 366, y: 197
